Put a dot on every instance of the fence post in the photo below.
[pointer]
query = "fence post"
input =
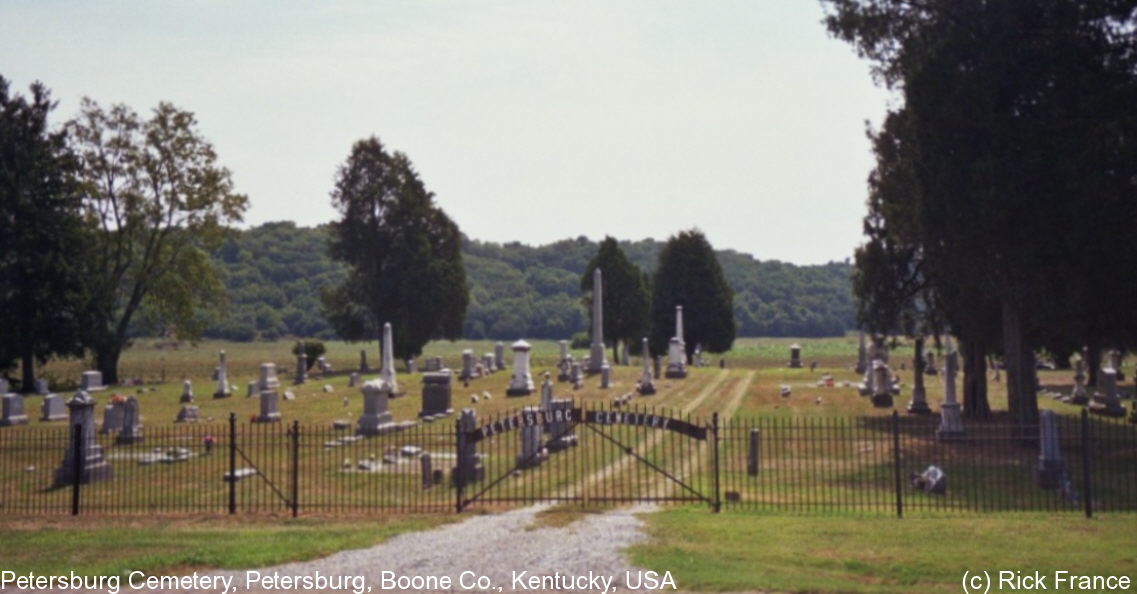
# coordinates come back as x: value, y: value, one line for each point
x: 77, y: 455
x: 458, y: 477
x: 753, y: 452
x: 1086, y: 464
x: 896, y: 463
x: 715, y: 445
x: 232, y: 463
x: 295, y: 468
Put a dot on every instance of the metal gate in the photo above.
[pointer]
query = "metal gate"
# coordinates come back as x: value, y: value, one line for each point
x: 586, y: 454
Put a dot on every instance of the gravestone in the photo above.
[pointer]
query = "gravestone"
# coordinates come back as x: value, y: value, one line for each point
x: 655, y: 363
x: 468, y: 468
x: 930, y: 363
x: 433, y: 364
x: 530, y: 454
x: 325, y: 367
x: 53, y: 408
x: 131, y: 431
x: 499, y: 355
x: 301, y: 364
x: 1109, y: 403
x: 41, y: 387
x: 521, y: 382
x: 546, y: 393
x: 412, y: 366
x: 624, y: 354
x: 647, y: 387
x: 467, y: 365
x: 222, y: 390
x: 376, y: 418
x: 1115, y: 363
x: 882, y: 385
x: 363, y: 361
x: 268, y: 379
x: 676, y: 359
x: 387, y: 371
x: 488, y: 363
x: 112, y: 417
x: 561, y: 429
x: 270, y: 406
x: 862, y: 354
x: 951, y: 423
x: 1050, y: 472
x: 576, y: 373
x: 252, y: 389
x: 596, y: 351
x: 919, y: 403
x: 93, y: 466
x: 187, y: 392
x: 425, y: 470
x: 188, y: 414
x: 564, y: 364
x: 12, y: 410
x: 91, y: 381
x: 679, y: 325
x: 436, y: 394
x: 352, y: 379
x: 605, y: 376
x: 1079, y: 395
x: 795, y: 355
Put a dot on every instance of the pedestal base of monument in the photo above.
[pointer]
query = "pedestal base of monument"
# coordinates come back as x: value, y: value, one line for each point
x: 435, y: 414
x: 1112, y: 408
x: 919, y: 407
x: 1049, y: 474
x: 376, y: 424
x: 476, y: 474
x: 129, y: 437
x: 515, y: 391
x: 647, y: 390
x: 268, y: 418
x: 675, y: 372
x: 882, y: 400
x: 95, y: 469
x: 534, y: 461
x: 222, y: 394
x: 1078, y: 399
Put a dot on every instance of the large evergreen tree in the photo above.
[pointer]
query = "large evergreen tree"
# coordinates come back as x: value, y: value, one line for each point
x: 625, y: 292
x: 41, y: 238
x: 403, y: 253
x: 688, y: 274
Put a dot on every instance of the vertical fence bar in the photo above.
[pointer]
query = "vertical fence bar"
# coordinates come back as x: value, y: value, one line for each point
x: 458, y: 477
x: 715, y: 445
x: 896, y: 462
x: 1086, y: 464
x: 77, y: 455
x: 295, y: 468
x: 232, y: 463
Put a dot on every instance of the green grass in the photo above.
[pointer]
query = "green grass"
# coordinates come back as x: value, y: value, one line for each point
x: 733, y: 552
x: 116, y: 546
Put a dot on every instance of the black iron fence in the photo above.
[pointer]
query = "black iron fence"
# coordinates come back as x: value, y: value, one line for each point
x: 871, y: 465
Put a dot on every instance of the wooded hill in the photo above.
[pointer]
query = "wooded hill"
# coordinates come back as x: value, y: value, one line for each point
x: 273, y: 274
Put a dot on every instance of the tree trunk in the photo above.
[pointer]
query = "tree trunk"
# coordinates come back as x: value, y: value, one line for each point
x: 616, y: 352
x: 975, y: 403
x: 1093, y: 363
x: 918, y: 358
x: 28, y: 384
x: 106, y: 360
x: 1022, y: 398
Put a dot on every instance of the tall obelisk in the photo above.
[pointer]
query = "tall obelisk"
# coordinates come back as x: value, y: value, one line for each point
x: 596, y: 360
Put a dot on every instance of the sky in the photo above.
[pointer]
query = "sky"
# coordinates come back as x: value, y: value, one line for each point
x: 530, y: 121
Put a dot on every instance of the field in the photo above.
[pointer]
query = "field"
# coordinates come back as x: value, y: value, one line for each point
x: 799, y: 477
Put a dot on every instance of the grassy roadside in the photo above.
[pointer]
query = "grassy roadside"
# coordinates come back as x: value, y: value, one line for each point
x: 784, y: 553
x: 117, y: 545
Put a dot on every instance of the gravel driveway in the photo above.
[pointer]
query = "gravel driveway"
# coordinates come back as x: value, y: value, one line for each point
x: 501, y: 552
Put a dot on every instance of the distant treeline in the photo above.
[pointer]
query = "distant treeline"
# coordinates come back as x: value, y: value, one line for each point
x: 273, y: 274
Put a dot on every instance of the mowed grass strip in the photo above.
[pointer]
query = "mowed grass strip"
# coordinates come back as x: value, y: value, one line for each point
x: 117, y: 546
x: 773, y: 553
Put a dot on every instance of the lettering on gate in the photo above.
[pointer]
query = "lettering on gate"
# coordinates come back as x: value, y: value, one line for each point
x: 597, y: 417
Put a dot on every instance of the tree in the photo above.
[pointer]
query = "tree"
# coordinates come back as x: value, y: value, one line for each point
x: 688, y: 274
x: 625, y: 293
x: 403, y: 254
x: 1021, y: 144
x: 157, y: 203
x: 41, y: 238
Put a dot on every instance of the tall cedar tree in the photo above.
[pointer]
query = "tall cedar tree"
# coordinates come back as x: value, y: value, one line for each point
x: 688, y: 274
x: 627, y: 302
x: 157, y: 203
x: 1021, y: 132
x: 41, y: 237
x: 403, y: 253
